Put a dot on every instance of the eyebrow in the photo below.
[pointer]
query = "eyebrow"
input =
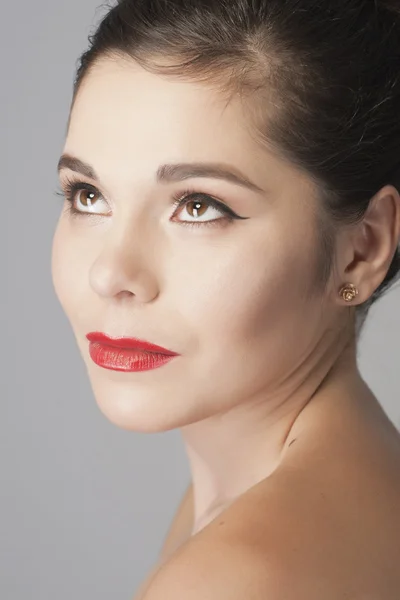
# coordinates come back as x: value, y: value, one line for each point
x: 171, y: 172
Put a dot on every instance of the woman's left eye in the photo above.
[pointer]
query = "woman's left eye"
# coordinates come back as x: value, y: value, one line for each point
x: 196, y: 204
x: 198, y: 209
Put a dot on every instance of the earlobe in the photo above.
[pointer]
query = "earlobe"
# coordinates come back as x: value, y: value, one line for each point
x: 348, y: 292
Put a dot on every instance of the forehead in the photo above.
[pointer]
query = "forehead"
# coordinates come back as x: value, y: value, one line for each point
x: 130, y: 106
x: 126, y: 119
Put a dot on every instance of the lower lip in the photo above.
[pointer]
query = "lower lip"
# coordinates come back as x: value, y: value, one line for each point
x: 124, y: 359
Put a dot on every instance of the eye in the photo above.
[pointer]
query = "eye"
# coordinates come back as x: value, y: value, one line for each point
x: 198, y: 206
x: 82, y: 195
x: 85, y: 199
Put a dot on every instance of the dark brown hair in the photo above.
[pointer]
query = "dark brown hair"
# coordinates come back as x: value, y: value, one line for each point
x: 321, y: 79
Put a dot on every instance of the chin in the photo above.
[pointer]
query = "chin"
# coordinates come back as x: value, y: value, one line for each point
x: 132, y: 412
x: 130, y: 407
x: 132, y: 421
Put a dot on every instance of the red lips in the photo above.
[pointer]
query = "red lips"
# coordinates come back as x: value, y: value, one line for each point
x: 128, y: 343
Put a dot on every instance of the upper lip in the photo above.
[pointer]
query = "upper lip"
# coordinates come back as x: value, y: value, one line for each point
x: 127, y: 342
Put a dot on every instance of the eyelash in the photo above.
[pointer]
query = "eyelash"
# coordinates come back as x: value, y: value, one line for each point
x: 71, y: 187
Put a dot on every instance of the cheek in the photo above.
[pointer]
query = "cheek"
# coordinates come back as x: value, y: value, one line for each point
x: 251, y: 317
x: 69, y: 270
x: 251, y: 286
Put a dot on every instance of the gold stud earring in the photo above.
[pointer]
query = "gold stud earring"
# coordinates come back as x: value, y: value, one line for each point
x: 348, y: 292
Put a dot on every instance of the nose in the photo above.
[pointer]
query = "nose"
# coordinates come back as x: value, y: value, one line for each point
x: 125, y: 266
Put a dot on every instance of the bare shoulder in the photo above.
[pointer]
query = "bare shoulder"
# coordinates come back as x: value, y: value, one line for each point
x: 267, y: 560
x: 208, y: 568
x: 318, y: 532
x: 325, y: 525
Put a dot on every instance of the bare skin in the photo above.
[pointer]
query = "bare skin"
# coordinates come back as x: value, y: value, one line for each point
x: 294, y: 465
x: 328, y: 515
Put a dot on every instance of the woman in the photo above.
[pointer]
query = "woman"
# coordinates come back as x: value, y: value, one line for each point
x: 231, y: 175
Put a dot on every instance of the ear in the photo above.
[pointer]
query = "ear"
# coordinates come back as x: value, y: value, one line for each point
x: 370, y: 246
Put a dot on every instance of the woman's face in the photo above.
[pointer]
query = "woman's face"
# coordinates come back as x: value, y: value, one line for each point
x: 233, y: 298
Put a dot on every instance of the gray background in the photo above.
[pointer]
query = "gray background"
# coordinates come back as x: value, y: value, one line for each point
x: 84, y: 505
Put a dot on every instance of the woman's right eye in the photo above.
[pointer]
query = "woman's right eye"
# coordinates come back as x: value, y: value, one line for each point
x: 85, y: 198
x: 82, y: 198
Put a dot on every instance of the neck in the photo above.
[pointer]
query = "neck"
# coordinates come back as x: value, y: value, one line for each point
x: 231, y: 452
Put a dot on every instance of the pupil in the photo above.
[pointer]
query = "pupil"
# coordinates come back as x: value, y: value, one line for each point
x: 89, y: 198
